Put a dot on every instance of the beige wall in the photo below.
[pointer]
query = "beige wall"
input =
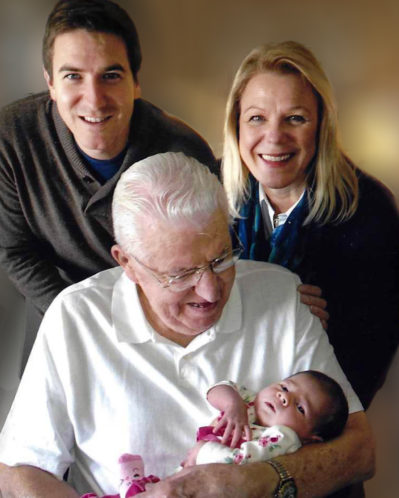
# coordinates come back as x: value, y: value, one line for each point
x: 193, y: 47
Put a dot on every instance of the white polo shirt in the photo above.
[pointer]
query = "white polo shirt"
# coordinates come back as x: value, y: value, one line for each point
x: 101, y: 382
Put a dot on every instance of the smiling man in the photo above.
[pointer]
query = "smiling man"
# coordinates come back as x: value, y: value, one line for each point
x: 138, y: 346
x: 94, y: 89
x: 199, y: 297
x: 62, y: 152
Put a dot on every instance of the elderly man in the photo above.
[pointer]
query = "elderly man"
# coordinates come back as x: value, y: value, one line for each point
x: 123, y: 359
x: 62, y: 152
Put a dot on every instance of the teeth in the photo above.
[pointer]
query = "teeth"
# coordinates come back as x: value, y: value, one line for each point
x: 93, y: 120
x: 275, y: 159
x: 196, y: 305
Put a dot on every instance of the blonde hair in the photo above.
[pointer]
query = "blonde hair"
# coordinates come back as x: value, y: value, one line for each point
x: 331, y: 177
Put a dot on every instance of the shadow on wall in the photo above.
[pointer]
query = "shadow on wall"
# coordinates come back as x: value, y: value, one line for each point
x: 383, y: 415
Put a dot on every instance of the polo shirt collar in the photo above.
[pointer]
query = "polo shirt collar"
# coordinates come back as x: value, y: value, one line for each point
x: 231, y: 318
x: 129, y: 321
x: 130, y: 324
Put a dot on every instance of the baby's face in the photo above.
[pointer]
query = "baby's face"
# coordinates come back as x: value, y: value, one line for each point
x: 296, y: 402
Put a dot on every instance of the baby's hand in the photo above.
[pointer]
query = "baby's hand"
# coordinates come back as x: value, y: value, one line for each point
x: 233, y: 416
x: 235, y: 420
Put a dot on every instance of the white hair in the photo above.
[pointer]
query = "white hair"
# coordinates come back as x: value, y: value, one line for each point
x: 168, y: 188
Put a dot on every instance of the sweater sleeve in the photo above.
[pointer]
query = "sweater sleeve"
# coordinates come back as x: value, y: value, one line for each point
x: 272, y: 442
x: 22, y: 254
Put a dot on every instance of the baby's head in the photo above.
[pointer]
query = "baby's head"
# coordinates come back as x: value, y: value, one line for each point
x: 309, y: 402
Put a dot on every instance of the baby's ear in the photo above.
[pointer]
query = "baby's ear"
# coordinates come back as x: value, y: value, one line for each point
x: 314, y: 438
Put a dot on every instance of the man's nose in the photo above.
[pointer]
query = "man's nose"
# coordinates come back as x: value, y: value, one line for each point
x: 208, y: 286
x: 94, y: 93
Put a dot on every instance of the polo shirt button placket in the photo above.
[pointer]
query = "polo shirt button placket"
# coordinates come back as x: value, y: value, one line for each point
x: 185, y: 369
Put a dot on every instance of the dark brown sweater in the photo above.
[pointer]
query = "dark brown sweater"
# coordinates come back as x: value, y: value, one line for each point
x: 55, y: 218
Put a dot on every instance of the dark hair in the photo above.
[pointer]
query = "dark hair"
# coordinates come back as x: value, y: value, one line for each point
x: 332, y: 423
x: 102, y: 16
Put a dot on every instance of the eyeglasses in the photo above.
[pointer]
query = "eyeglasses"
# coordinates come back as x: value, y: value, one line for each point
x: 190, y: 278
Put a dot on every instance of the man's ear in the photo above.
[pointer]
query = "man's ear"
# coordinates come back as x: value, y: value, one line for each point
x: 137, y: 90
x: 123, y: 260
x: 50, y: 85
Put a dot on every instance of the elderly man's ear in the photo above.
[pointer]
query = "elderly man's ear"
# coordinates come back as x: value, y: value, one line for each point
x: 123, y: 260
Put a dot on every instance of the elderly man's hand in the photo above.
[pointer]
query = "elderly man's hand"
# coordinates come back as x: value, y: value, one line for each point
x: 311, y: 295
x: 217, y: 481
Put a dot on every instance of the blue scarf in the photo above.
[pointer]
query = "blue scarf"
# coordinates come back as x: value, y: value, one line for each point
x: 285, y: 245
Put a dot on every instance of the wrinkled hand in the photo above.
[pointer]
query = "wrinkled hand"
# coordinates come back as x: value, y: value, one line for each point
x: 311, y: 296
x: 235, y: 420
x: 254, y: 480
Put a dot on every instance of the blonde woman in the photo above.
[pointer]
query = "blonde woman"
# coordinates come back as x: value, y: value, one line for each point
x: 301, y: 203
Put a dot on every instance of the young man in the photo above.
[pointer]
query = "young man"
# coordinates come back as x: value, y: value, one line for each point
x: 62, y: 153
x: 137, y: 347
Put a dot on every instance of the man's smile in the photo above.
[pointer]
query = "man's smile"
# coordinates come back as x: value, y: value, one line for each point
x: 93, y: 120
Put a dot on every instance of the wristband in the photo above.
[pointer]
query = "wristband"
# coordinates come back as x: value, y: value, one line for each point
x: 286, y: 487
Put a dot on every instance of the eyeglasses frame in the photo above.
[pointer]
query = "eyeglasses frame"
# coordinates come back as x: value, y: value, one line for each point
x: 167, y: 280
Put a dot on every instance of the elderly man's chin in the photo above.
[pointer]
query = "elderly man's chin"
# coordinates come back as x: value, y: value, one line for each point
x: 183, y: 321
x: 192, y: 322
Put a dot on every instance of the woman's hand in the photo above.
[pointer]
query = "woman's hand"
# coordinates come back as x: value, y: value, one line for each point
x: 311, y: 296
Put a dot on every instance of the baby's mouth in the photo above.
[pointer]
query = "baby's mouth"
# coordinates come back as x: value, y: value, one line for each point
x: 270, y: 406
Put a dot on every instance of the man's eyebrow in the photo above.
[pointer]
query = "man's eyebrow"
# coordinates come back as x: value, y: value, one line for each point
x: 115, y: 67
x: 74, y: 69
x: 69, y: 69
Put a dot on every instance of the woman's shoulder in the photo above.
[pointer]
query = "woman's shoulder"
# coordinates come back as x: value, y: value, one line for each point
x: 375, y: 201
x: 372, y: 190
x: 375, y: 222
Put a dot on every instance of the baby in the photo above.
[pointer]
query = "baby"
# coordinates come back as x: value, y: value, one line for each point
x: 306, y: 407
